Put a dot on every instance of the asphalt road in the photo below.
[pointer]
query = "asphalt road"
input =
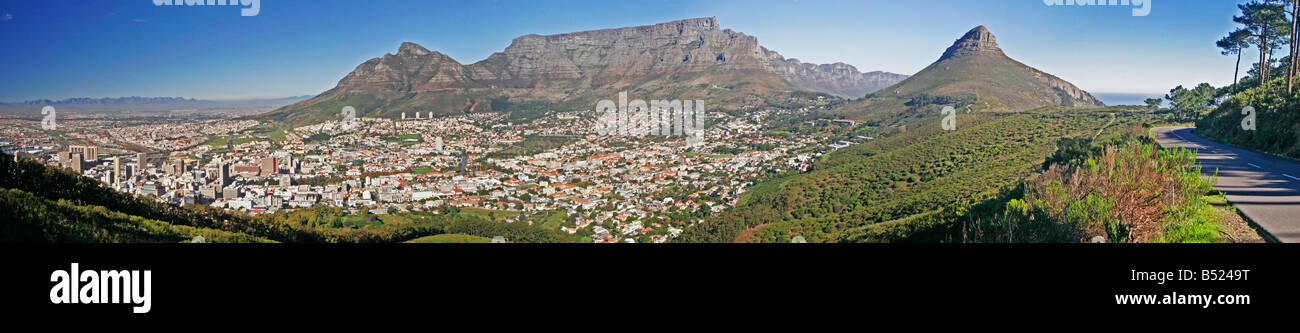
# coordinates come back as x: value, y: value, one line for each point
x: 1263, y: 187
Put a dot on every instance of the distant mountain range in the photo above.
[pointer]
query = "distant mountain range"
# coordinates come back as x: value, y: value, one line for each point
x: 146, y: 100
x: 111, y: 101
x: 136, y: 104
x: 687, y: 59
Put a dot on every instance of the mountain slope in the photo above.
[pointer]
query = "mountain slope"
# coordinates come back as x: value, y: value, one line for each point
x: 694, y: 59
x: 974, y: 71
x: 916, y: 179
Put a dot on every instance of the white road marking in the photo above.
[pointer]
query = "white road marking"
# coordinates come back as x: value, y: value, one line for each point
x: 1292, y: 177
x: 1253, y: 164
x: 1187, y: 142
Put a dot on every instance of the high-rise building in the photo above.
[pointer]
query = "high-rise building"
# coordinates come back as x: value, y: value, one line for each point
x: 437, y: 144
x: 88, y: 153
x: 223, y: 173
x: 65, y: 158
x: 139, y: 162
x: 75, y: 162
x: 208, y: 192
x: 269, y: 166
x: 117, y: 169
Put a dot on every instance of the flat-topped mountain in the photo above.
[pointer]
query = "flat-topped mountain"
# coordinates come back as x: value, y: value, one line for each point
x: 693, y: 58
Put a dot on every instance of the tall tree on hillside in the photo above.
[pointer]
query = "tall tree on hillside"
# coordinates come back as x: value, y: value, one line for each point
x: 1232, y: 44
x: 1269, y: 26
x: 1295, y: 29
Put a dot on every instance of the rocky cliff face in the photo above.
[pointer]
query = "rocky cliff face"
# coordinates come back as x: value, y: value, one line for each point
x: 413, y: 68
x: 978, y: 41
x: 686, y: 46
x: 837, y: 79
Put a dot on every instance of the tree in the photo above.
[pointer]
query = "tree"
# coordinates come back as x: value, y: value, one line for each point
x: 1232, y: 44
x: 1291, y: 65
x: 1269, y: 26
x: 1191, y: 104
x: 1154, y: 103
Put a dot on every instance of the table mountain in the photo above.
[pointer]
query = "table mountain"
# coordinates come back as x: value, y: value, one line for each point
x: 694, y: 59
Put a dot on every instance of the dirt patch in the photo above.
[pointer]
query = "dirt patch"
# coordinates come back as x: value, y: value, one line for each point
x: 748, y: 234
x: 1236, y: 228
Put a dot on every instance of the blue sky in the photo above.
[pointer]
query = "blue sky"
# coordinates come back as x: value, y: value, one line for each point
x: 110, y: 48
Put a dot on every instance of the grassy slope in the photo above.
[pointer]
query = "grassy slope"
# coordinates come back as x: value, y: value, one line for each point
x: 451, y: 238
x: 853, y: 192
x: 32, y: 218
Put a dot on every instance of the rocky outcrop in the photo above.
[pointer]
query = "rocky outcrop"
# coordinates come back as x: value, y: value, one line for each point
x: 413, y: 68
x: 978, y: 41
x: 838, y: 79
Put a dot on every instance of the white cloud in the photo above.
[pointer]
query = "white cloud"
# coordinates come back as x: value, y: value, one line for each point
x: 6, y: 17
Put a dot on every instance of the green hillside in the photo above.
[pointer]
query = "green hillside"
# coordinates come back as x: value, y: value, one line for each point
x: 1277, y: 123
x: 451, y: 239
x: 910, y: 187
x: 35, y: 219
